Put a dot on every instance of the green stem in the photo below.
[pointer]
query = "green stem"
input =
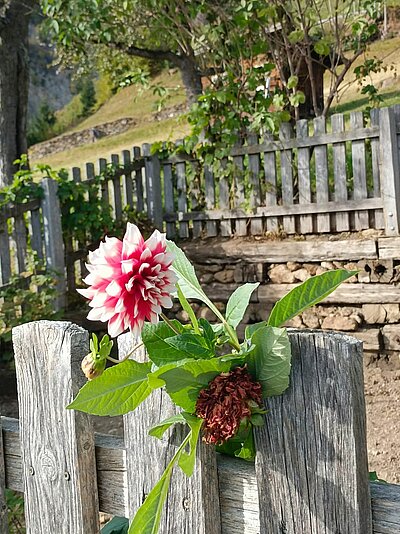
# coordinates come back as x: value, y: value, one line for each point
x: 127, y: 355
x: 230, y: 331
x: 169, y: 323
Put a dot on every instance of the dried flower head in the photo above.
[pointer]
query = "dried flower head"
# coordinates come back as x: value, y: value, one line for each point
x: 129, y: 281
x: 226, y: 402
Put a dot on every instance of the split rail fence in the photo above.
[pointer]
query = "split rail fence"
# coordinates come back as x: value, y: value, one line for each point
x: 310, y: 474
x: 335, y: 175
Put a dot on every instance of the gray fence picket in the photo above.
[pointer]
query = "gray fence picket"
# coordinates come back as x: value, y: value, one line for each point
x: 209, y: 187
x: 339, y: 173
x: 138, y: 182
x: 153, y: 187
x: 116, y: 181
x: 286, y: 132
x: 36, y: 235
x: 303, y: 169
x: 5, y: 256
x: 321, y: 172
x: 180, y: 170
x: 270, y: 182
x: 3, y: 503
x: 21, y: 245
x: 105, y: 194
x: 361, y: 219
x: 77, y: 177
x: 316, y: 480
x: 239, y: 196
x: 256, y: 224
x: 375, y: 156
x: 58, y: 456
x: 126, y: 160
x: 390, y: 171
x: 224, y: 201
x: 169, y: 201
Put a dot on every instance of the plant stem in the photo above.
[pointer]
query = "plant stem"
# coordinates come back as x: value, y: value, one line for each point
x: 169, y: 323
x: 127, y: 355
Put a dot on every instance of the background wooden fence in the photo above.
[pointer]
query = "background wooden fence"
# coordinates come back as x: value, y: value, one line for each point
x: 330, y: 176
x: 310, y: 476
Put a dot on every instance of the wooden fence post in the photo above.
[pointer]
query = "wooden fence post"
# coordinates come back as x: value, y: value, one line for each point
x: 3, y: 503
x: 193, y: 503
x: 58, y: 460
x: 53, y: 237
x: 389, y: 171
x: 153, y: 187
x: 311, y: 464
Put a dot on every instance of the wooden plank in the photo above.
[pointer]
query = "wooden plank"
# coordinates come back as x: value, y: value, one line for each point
x: 390, y: 172
x: 76, y: 175
x: 237, y: 483
x: 126, y: 160
x: 195, y: 194
x: 5, y: 256
x: 370, y: 338
x: 53, y: 237
x: 153, y: 187
x: 3, y: 503
x: 224, y: 200
x: 320, y: 482
x: 280, y: 251
x: 321, y: 174
x: 16, y: 210
x: 209, y: 188
x: 270, y: 181
x: 20, y: 237
x: 375, y: 157
x: 90, y: 174
x: 36, y: 236
x: 193, y: 503
x: 361, y: 219
x: 116, y: 181
x: 169, y: 202
x: 180, y: 170
x: 58, y: 461
x: 105, y: 194
x: 389, y: 248
x: 138, y: 182
x: 239, y: 196
x: 256, y: 225
x: 286, y: 132
x: 303, y: 166
x: 339, y: 173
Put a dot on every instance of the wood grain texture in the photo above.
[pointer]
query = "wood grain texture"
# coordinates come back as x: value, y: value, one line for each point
x: 169, y: 202
x: 256, y: 225
x: 58, y: 461
x: 339, y: 173
x: 180, y: 170
x: 321, y: 174
x: 36, y: 234
x: 237, y: 484
x: 20, y: 238
x: 311, y: 463
x: 375, y: 160
x: 138, y: 181
x: 192, y: 504
x: 239, y: 193
x: 116, y: 182
x: 285, y: 133
x: 224, y: 201
x: 153, y: 187
x: 3, y: 503
x: 209, y: 193
x: 304, y: 178
x: 361, y: 220
x: 105, y: 193
x: 126, y: 160
x: 389, y: 248
x: 270, y: 182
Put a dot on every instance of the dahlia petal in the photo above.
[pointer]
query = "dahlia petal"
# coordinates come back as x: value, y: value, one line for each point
x: 145, y: 255
x: 87, y: 293
x: 132, y: 240
x: 120, y: 306
x: 95, y: 314
x: 155, y: 241
x: 99, y: 300
x: 114, y: 289
x: 115, y: 325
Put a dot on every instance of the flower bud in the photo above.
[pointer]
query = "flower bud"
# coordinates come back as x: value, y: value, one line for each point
x: 93, y: 367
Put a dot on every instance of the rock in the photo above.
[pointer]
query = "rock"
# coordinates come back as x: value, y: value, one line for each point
x: 346, y: 311
x: 293, y: 266
x: 392, y: 313
x: 351, y: 266
x: 225, y: 276
x: 391, y: 337
x: 328, y: 265
x: 281, y: 275
x: 364, y: 276
x: 310, y: 319
x: 311, y: 268
x: 337, y: 322
x: 302, y: 275
x: 238, y: 274
x: 374, y: 313
x: 210, y: 268
x: 206, y: 313
x: 296, y: 322
x: 206, y: 278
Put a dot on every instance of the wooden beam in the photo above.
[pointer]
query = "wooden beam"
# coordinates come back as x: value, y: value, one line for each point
x: 237, y: 481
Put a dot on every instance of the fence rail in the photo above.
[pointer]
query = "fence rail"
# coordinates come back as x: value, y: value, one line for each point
x: 310, y: 474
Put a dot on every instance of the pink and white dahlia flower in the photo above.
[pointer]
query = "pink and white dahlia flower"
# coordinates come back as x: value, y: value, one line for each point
x: 129, y: 281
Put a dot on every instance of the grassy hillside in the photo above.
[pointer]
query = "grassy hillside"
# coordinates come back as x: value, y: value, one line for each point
x: 132, y: 102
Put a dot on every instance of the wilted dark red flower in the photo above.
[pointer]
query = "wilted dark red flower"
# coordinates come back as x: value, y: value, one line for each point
x: 225, y: 402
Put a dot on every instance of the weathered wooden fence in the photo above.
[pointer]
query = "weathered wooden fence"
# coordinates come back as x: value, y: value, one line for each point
x: 335, y: 175
x: 310, y: 475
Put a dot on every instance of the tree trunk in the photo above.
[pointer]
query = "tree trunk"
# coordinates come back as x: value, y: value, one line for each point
x: 191, y: 78
x: 14, y: 79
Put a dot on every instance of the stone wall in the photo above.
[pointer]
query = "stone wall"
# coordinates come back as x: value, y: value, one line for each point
x: 367, y: 306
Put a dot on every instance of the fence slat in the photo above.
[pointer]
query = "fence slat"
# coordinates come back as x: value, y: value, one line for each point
x: 126, y: 159
x: 36, y: 237
x: 285, y: 132
x: 180, y: 169
x: 53, y: 238
x: 195, y: 192
x: 256, y: 225
x: 20, y: 237
x: 339, y: 173
x: 375, y: 156
x: 270, y: 182
x: 321, y: 172
x: 239, y: 197
x: 153, y: 187
x: 361, y: 219
x: 303, y: 166
x: 116, y: 181
x: 193, y: 503
x: 105, y: 195
x: 169, y: 198
x: 5, y: 256
x: 3, y: 503
x: 224, y: 201
x: 390, y: 171
x: 209, y: 188
x: 138, y: 182
x: 77, y: 177
x: 57, y: 444
x: 90, y: 175
x: 311, y: 464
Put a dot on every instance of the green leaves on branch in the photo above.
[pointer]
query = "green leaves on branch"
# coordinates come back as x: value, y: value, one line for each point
x: 238, y: 302
x: 306, y: 295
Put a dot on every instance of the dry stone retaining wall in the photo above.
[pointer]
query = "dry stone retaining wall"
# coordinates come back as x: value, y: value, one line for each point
x: 367, y: 306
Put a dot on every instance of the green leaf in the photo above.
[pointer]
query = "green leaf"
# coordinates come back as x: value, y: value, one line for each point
x: 208, y: 333
x: 251, y: 328
x: 292, y: 82
x: 159, y: 429
x: 248, y: 449
x: 117, y: 525
x: 238, y: 302
x: 159, y: 351
x: 306, y: 295
x: 270, y: 360
x: 184, y: 381
x: 119, y: 390
x: 194, y: 346
x: 188, y: 309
